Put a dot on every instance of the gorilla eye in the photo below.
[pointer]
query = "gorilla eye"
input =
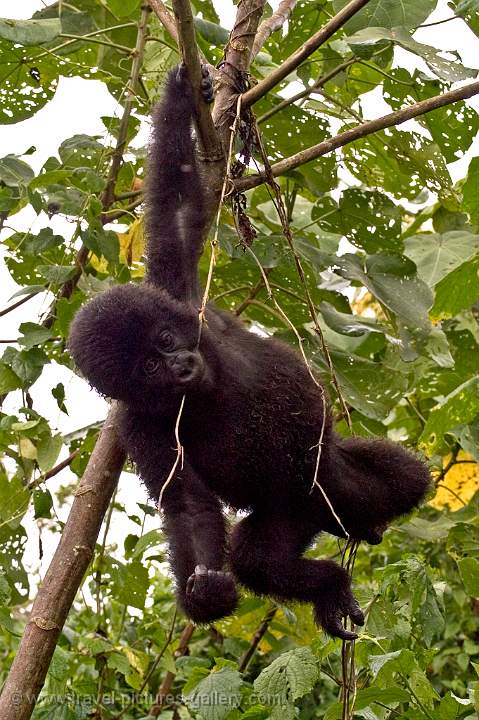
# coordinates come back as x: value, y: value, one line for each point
x: 166, y: 340
x: 151, y: 366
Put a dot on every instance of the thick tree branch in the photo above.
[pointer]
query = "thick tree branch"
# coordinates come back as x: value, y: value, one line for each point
x: 294, y: 60
x: 272, y: 24
x: 368, y: 128
x: 63, y: 577
x: 210, y: 143
x: 165, y: 17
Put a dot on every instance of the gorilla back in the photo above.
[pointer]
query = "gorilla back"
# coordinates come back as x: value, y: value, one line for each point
x: 251, y: 421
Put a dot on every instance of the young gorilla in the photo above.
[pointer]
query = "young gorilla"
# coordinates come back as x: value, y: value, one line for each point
x: 251, y: 420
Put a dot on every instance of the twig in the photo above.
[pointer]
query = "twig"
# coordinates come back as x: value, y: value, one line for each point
x: 153, y: 667
x: 367, y: 128
x: 54, y: 470
x: 304, y: 51
x: 256, y: 639
x: 167, y: 683
x: 22, y: 300
x: 307, y: 91
x: 272, y: 24
x: 108, y: 196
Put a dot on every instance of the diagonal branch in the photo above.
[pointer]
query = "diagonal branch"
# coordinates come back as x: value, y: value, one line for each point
x: 303, y: 52
x: 368, y: 128
x: 63, y: 577
x: 272, y: 24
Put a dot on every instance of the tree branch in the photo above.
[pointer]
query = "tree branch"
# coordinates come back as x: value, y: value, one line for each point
x: 165, y: 17
x: 368, y: 128
x: 256, y: 639
x: 168, y: 680
x: 294, y: 60
x: 272, y: 24
x: 210, y: 143
x: 63, y: 577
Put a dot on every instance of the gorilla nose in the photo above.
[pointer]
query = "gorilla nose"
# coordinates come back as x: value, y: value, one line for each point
x: 187, y: 366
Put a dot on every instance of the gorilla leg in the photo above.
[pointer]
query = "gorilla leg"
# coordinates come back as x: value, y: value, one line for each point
x: 195, y: 528
x: 266, y: 557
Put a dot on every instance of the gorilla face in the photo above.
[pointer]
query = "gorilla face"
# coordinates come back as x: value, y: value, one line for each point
x: 132, y: 342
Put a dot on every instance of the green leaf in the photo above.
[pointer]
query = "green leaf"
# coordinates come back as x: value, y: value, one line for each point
x: 398, y: 661
x: 436, y: 256
x: 26, y: 364
x: 289, y: 677
x: 469, y: 572
x: 370, y: 387
x: 42, y: 503
x: 216, y: 695
x: 460, y: 406
x: 469, y: 191
x: 58, y: 393
x: 123, y: 8
x: 457, y: 291
x: 393, y: 280
x: 130, y: 584
x: 30, y: 32
x: 8, y: 380
x: 33, y: 334
x: 48, y: 449
x: 56, y: 274
x: 388, y: 13
x: 15, y: 172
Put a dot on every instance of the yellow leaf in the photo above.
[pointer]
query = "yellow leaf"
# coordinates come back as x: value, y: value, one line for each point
x: 27, y: 449
x: 460, y: 483
x: 132, y: 243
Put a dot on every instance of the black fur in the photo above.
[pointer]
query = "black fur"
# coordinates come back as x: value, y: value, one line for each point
x: 251, y: 420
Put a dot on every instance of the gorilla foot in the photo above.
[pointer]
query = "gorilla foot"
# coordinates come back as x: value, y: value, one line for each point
x: 209, y: 595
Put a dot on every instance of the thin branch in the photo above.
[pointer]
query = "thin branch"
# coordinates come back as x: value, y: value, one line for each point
x: 165, y: 17
x: 23, y: 300
x: 117, y: 155
x: 53, y: 471
x: 152, y: 669
x: 272, y: 24
x: 256, y: 639
x: 368, y: 128
x: 168, y: 680
x: 307, y: 91
x: 64, y: 576
x: 303, y: 52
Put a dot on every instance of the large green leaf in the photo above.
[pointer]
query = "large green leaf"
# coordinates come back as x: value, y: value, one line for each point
x: 217, y: 695
x: 30, y: 32
x: 459, y: 407
x: 388, y: 13
x: 393, y: 281
x: 435, y: 256
x: 289, y: 677
x: 457, y: 291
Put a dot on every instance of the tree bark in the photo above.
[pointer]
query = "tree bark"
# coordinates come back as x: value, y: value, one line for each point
x: 303, y: 52
x: 63, y: 577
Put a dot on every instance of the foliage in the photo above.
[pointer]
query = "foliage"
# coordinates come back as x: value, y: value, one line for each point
x: 390, y: 247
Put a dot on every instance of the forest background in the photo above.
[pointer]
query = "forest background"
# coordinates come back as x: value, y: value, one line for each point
x: 386, y: 229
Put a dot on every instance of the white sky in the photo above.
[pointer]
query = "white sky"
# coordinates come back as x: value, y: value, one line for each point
x: 76, y: 108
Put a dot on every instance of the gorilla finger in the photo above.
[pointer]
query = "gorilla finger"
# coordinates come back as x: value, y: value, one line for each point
x: 333, y: 627
x: 190, y: 584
